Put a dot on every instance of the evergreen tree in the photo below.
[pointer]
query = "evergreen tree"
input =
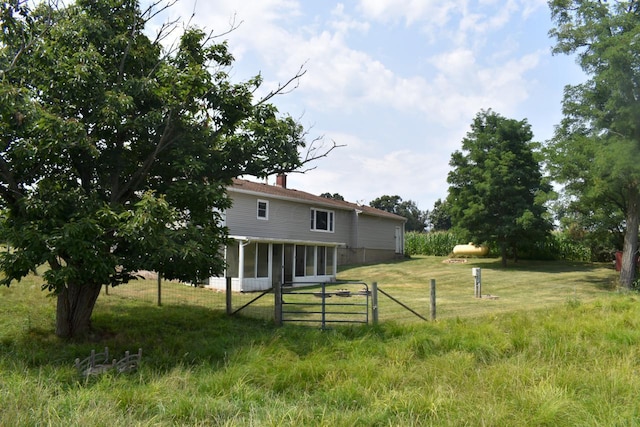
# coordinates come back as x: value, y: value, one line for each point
x: 496, y: 187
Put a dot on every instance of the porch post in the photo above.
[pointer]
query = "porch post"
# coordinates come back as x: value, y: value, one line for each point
x: 270, y: 263
x: 241, y: 264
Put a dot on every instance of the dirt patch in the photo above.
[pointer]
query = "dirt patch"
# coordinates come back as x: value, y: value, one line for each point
x: 455, y: 261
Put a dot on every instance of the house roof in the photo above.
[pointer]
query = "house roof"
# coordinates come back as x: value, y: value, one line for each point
x: 276, y: 191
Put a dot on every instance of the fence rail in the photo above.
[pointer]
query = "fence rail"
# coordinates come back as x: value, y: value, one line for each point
x: 336, y: 302
x: 320, y: 304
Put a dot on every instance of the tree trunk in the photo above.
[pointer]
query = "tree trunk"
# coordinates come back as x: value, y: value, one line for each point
x: 503, y: 253
x: 630, y: 245
x: 74, y: 309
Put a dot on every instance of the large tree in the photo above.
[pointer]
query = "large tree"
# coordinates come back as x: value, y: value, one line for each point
x: 439, y: 217
x: 416, y: 219
x: 116, y: 153
x: 496, y: 189
x: 596, y: 148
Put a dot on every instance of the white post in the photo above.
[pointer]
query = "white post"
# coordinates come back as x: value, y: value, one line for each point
x: 270, y: 261
x: 241, y: 264
x: 477, y: 280
x: 315, y: 261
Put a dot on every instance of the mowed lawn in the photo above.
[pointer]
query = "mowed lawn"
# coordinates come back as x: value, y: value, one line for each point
x: 560, y: 346
x: 521, y: 285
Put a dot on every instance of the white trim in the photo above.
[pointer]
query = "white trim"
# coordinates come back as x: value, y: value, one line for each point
x: 292, y: 241
x: 266, y: 217
x: 331, y: 220
x: 247, y: 284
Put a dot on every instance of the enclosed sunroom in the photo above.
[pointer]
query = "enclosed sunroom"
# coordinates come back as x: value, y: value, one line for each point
x: 256, y: 264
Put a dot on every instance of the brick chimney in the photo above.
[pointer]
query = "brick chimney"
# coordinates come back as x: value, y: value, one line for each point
x: 281, y: 180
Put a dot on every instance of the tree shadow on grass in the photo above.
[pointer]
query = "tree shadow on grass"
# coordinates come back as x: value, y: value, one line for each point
x: 535, y: 265
x: 589, y: 270
x: 550, y: 266
x: 179, y: 334
x: 170, y: 336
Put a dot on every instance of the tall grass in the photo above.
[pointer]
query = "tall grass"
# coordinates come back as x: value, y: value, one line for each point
x: 571, y: 363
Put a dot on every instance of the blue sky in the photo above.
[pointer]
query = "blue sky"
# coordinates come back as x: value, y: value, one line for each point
x: 397, y: 82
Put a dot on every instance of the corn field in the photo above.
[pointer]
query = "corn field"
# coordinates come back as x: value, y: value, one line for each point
x: 556, y: 247
x: 436, y: 243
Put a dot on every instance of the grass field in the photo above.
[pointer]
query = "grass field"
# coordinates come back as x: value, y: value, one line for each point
x: 523, y: 285
x: 559, y: 347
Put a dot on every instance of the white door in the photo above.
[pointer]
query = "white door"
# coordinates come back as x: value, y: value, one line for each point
x: 399, y: 238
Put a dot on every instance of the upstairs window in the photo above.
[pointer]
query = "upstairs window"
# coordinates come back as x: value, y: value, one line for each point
x: 263, y: 209
x: 322, y: 220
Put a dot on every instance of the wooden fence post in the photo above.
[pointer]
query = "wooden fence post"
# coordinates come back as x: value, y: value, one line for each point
x: 159, y: 289
x: 323, y: 288
x: 277, y: 295
x: 374, y: 302
x: 433, y: 299
x: 228, y: 295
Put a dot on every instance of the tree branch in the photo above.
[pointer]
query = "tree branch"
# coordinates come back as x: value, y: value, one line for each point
x: 315, y: 152
x: 152, y: 11
x: 285, y: 88
x: 140, y: 175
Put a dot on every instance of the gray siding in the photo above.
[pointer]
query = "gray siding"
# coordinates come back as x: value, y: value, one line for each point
x: 348, y: 256
x: 377, y: 233
x: 288, y: 220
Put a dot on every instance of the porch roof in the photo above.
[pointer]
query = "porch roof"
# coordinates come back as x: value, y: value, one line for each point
x: 286, y: 241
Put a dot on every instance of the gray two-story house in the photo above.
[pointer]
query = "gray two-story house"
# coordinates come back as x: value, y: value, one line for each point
x: 284, y: 235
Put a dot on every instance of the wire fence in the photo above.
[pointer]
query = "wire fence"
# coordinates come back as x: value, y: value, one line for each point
x: 168, y: 292
x: 262, y: 305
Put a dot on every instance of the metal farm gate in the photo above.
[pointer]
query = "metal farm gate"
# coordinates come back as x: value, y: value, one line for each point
x: 323, y: 304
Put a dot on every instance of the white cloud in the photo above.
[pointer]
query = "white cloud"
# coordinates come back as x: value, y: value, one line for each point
x: 343, y: 23
x: 340, y: 77
x: 433, y: 12
x: 443, y: 61
x: 361, y: 173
